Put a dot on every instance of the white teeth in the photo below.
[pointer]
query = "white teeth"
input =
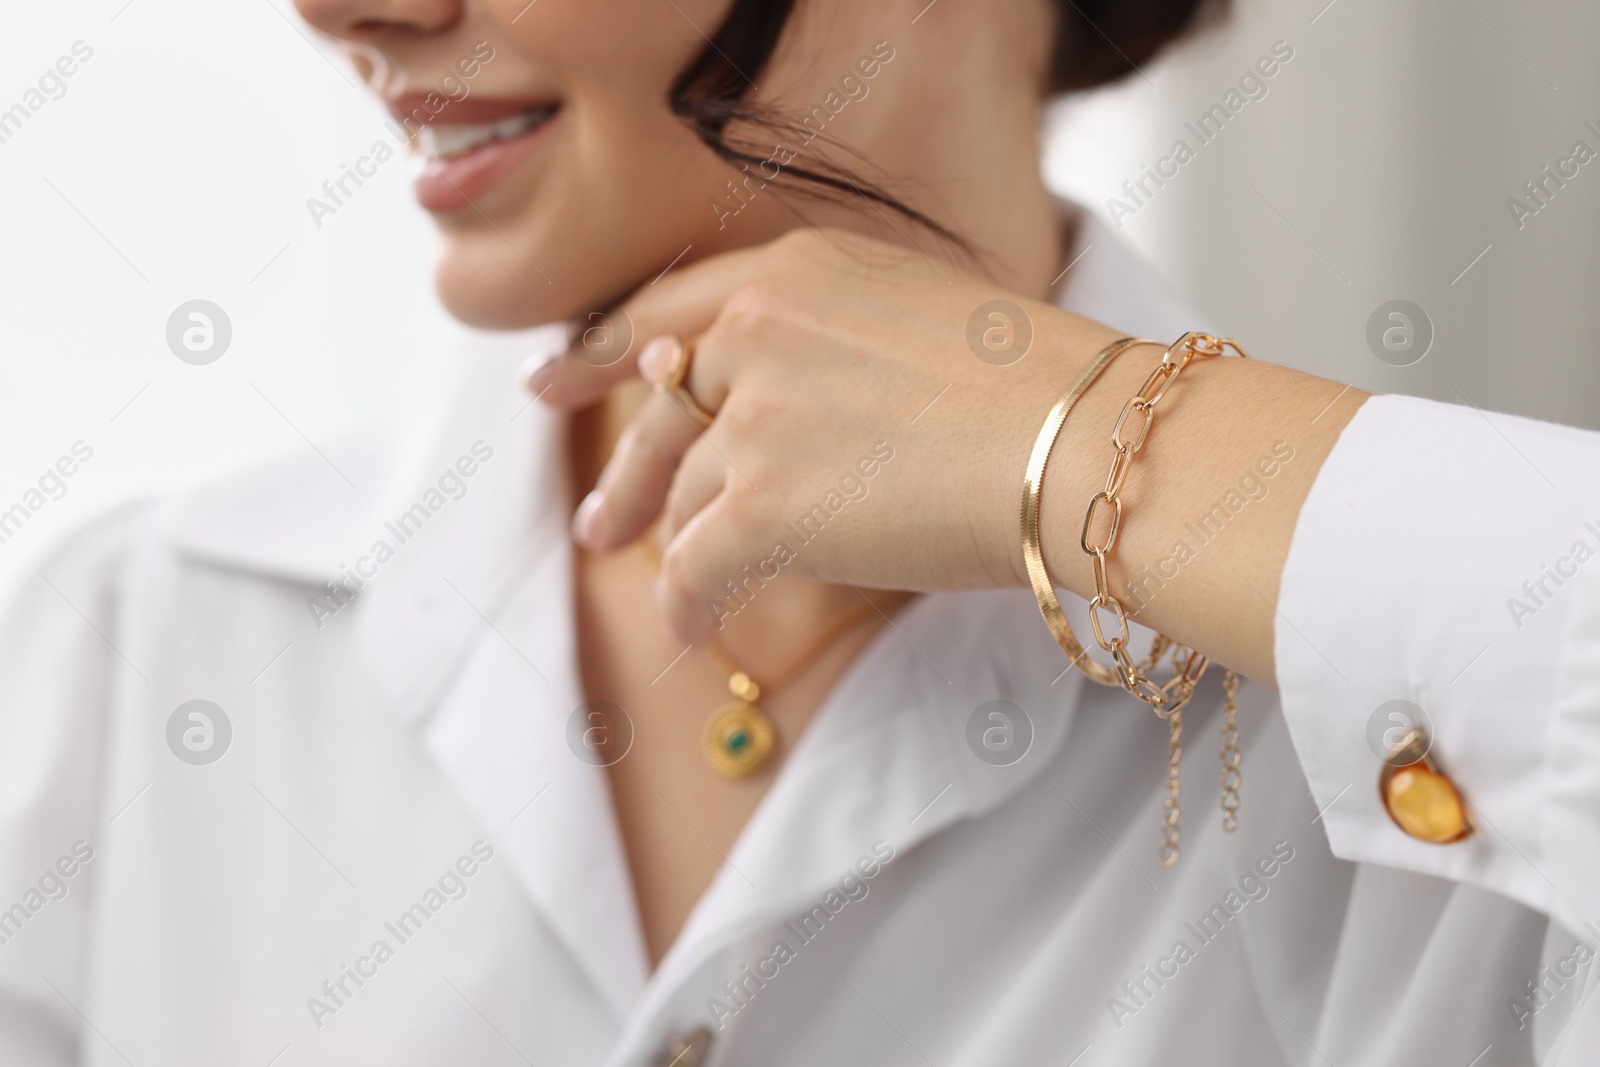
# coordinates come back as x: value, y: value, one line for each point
x: 447, y: 142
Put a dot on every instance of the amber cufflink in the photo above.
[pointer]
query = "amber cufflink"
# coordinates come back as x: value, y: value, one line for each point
x: 1419, y: 797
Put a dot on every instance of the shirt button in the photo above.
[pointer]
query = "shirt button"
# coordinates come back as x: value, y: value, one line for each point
x: 687, y: 1050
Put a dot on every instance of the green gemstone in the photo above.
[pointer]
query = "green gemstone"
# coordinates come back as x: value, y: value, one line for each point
x: 737, y: 741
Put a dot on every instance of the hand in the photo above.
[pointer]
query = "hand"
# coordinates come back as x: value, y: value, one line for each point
x: 857, y: 438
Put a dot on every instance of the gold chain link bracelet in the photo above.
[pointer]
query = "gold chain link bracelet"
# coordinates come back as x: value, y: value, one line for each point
x: 1166, y: 699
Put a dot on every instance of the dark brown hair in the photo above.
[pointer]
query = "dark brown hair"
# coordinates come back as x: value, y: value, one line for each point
x: 1096, y: 42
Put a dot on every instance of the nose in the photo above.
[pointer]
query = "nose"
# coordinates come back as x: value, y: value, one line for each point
x: 364, y: 20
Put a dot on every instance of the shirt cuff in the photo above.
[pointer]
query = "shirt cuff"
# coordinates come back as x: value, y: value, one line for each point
x: 1446, y: 566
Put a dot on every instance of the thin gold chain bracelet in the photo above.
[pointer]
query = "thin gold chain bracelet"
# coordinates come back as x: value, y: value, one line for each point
x: 1166, y: 699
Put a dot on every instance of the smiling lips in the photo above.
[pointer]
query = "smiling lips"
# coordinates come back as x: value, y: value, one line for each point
x: 469, y: 145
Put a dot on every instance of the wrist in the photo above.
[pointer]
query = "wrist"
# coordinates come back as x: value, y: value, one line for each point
x: 1209, y: 503
x: 1065, y: 349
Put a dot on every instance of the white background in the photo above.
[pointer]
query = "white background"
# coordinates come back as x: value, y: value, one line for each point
x: 178, y: 163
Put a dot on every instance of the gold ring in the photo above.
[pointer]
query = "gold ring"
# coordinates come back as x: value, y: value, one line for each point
x: 678, y: 375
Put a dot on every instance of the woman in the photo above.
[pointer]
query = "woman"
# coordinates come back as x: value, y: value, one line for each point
x: 359, y: 760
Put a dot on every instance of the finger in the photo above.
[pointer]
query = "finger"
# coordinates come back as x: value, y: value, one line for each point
x: 682, y: 303
x: 706, y: 381
x: 633, y: 486
x: 702, y: 474
x: 698, y: 562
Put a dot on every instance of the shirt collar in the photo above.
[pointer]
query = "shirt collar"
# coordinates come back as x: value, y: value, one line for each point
x: 420, y: 517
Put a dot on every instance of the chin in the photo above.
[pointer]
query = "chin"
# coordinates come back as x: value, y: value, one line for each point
x: 485, y: 283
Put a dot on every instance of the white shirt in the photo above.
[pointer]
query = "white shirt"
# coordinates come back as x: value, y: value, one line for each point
x: 400, y: 797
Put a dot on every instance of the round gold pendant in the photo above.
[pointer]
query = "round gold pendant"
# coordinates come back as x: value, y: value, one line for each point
x: 738, y: 739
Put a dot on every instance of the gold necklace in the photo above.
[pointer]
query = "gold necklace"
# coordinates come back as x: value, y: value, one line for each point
x: 739, y: 738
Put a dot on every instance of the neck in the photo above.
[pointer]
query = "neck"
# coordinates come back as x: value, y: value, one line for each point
x: 949, y: 126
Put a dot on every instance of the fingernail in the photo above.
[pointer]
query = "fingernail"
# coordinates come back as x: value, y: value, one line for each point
x: 539, y: 379
x: 655, y: 359
x: 586, y: 521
